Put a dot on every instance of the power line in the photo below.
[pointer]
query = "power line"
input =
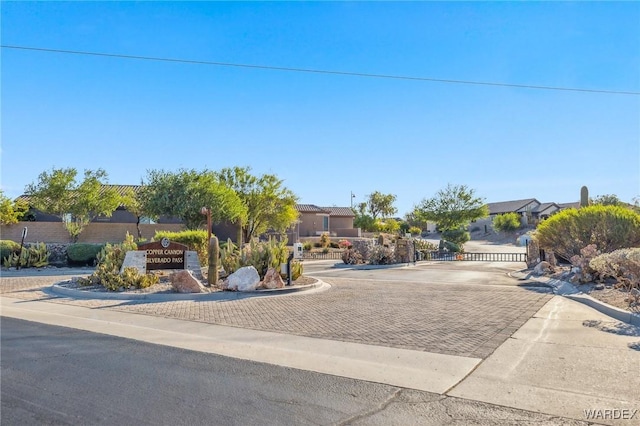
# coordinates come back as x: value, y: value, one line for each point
x: 317, y: 71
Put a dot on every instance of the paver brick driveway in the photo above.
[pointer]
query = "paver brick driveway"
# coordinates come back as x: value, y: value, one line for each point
x: 381, y: 308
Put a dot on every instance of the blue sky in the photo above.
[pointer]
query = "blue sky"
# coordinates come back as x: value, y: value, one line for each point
x: 330, y: 135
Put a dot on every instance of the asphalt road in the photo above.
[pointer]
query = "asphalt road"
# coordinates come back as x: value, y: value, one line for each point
x: 55, y: 375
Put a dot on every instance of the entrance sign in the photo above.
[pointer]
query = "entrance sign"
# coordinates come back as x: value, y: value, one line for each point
x: 164, y: 255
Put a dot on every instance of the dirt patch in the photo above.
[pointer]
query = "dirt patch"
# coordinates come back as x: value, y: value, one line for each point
x: 618, y: 297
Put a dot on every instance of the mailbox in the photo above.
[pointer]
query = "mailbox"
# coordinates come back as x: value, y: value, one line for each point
x: 297, y: 250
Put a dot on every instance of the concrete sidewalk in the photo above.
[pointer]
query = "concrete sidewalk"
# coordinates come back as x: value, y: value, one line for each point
x: 566, y: 360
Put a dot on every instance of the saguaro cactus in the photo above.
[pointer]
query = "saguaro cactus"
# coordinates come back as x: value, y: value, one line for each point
x: 584, y: 196
x: 214, y: 252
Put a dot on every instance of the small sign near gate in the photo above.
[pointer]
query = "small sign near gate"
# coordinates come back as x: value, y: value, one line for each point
x: 164, y: 254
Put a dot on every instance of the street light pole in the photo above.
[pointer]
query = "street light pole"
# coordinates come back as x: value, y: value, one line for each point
x: 352, y: 197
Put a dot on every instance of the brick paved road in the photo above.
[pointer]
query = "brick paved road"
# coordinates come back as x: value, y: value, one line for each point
x: 458, y: 319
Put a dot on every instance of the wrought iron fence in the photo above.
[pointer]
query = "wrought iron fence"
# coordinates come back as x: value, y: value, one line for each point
x: 478, y: 257
x: 337, y: 255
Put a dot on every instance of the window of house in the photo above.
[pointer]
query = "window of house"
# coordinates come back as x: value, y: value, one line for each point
x: 145, y: 220
x: 325, y: 223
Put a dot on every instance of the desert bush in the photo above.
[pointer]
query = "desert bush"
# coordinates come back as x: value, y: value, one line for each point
x: 83, y: 253
x: 325, y: 240
x: 623, y: 265
x: 107, y: 273
x: 390, y: 226
x: 381, y: 255
x: 506, y: 222
x: 262, y: 255
x: 608, y: 227
x: 452, y: 247
x: 344, y: 244
x: 425, y: 245
x: 334, y: 245
x: 297, y: 269
x: 196, y: 240
x: 8, y: 247
x: 414, y: 230
x: 352, y: 257
x: 582, y: 261
x: 306, y: 246
x: 32, y: 255
x: 457, y: 236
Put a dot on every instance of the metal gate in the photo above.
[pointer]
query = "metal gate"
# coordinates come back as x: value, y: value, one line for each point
x: 478, y: 257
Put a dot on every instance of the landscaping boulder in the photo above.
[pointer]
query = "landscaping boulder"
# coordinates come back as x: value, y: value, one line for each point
x: 244, y: 279
x: 185, y: 282
x: 272, y: 279
x: 542, y: 268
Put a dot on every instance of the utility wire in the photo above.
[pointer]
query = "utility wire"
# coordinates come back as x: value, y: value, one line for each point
x: 316, y: 71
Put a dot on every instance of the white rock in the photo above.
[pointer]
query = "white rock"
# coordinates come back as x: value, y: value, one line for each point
x: 244, y: 279
x: 542, y: 268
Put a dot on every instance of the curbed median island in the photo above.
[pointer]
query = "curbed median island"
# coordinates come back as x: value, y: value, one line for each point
x: 165, y: 268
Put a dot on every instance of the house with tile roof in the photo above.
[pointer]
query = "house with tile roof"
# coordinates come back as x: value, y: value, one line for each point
x: 336, y: 221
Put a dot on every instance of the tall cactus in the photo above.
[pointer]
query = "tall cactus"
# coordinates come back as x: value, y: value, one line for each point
x: 584, y: 196
x: 214, y: 252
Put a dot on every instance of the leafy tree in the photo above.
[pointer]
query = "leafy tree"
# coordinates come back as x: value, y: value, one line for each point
x: 388, y: 225
x: 132, y: 202
x: 607, y: 200
x: 268, y: 204
x: 452, y: 209
x: 185, y: 193
x: 380, y: 205
x: 608, y: 227
x: 506, y: 222
x: 11, y: 211
x: 77, y: 203
x: 364, y: 222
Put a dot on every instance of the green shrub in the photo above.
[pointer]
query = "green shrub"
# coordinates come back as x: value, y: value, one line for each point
x: 452, y: 247
x: 306, y: 246
x: 334, y: 245
x: 84, y: 253
x: 7, y: 247
x: 456, y: 236
x: 414, y: 230
x: 196, y: 240
x: 506, y: 222
x: 608, y: 227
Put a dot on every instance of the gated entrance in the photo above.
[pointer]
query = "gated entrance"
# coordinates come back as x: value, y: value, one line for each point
x: 478, y: 257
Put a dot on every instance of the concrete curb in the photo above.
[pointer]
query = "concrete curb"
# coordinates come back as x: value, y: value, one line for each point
x: 370, y: 267
x: 568, y: 290
x: 318, y: 286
